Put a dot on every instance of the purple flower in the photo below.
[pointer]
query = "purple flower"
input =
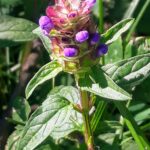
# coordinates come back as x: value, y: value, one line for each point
x: 46, y: 24
x: 72, y: 14
x: 101, y: 50
x: 90, y: 3
x: 95, y: 38
x: 70, y: 52
x: 82, y: 36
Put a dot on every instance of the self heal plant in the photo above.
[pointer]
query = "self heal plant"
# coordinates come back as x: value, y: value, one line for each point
x: 71, y: 37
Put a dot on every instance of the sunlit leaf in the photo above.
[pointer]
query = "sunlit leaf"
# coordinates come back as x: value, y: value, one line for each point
x: 56, y: 118
x: 46, y: 73
x: 116, y: 31
x: 14, y: 30
x: 99, y: 83
x: 130, y: 72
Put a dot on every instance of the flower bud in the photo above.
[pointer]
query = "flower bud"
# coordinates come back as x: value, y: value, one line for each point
x: 101, y: 50
x: 46, y: 24
x: 72, y: 14
x: 95, y: 38
x: 82, y: 36
x: 70, y: 52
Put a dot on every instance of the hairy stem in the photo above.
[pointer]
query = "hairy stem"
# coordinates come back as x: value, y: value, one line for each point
x: 85, y: 114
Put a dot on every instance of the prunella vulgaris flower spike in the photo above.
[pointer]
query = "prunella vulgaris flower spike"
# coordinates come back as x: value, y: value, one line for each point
x: 46, y: 24
x: 82, y: 36
x: 73, y: 34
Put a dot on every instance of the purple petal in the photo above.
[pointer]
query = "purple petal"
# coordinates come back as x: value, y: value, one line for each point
x: 90, y: 3
x: 46, y: 24
x: 70, y: 52
x: 101, y: 50
x: 82, y: 36
x: 95, y: 38
x: 72, y: 15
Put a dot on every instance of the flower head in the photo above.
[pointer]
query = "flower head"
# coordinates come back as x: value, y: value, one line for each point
x: 73, y: 34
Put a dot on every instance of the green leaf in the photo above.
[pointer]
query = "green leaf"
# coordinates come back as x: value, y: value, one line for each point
x: 46, y: 73
x: 68, y: 92
x: 98, y: 114
x: 115, y: 52
x: 13, y: 139
x: 107, y: 141
x: 129, y: 145
x: 14, y: 30
x: 48, y: 145
x: 130, y: 72
x: 56, y: 118
x: 99, y: 83
x: 137, y: 46
x: 116, y: 31
x: 131, y: 9
x: 45, y: 40
x: 140, y: 110
x: 21, y: 110
x: 136, y: 132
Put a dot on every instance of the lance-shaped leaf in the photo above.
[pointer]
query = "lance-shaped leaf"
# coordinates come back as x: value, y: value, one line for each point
x: 99, y: 83
x: 45, y: 40
x: 14, y: 138
x: 20, y: 110
x: 47, y: 72
x: 137, y: 46
x: 116, y: 31
x: 14, y: 30
x: 56, y: 118
x: 130, y: 72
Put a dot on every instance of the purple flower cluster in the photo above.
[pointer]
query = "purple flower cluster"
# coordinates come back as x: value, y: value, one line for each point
x: 83, y: 36
x: 73, y: 33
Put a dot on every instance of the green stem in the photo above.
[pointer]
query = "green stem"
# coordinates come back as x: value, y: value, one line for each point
x: 143, y: 128
x: 122, y: 122
x: 101, y: 21
x: 98, y: 114
x: 85, y: 114
x: 137, y: 20
x: 101, y: 16
x: 53, y: 83
x: 8, y: 59
x: 133, y: 127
